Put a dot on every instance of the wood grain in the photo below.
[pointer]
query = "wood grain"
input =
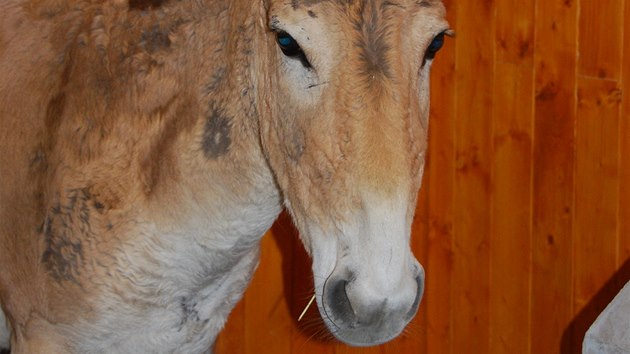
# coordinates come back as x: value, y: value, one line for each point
x: 510, y: 297
x: 554, y: 119
x: 441, y: 176
x: 597, y: 160
x: 596, y: 193
x: 472, y: 188
x: 601, y: 38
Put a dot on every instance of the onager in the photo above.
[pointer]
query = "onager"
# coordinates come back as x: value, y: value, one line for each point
x: 147, y: 145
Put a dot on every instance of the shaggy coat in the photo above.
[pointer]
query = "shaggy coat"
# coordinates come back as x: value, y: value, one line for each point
x: 146, y: 146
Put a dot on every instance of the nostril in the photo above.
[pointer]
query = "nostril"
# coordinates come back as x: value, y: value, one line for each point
x: 339, y: 304
x: 416, y: 302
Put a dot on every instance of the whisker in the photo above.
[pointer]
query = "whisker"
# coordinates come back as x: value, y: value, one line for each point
x: 314, y: 335
x: 306, y: 308
x: 413, y: 329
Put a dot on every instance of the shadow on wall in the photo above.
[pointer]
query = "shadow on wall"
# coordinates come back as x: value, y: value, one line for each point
x: 298, y: 281
x: 574, y: 333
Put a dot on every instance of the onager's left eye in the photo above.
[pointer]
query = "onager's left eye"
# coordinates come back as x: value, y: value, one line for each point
x: 435, y: 46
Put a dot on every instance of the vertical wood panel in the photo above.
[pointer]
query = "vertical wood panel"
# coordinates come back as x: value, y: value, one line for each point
x: 601, y: 38
x: 439, y: 263
x: 597, y: 183
x: 474, y: 65
x: 554, y: 118
x: 597, y: 149
x: 510, y: 302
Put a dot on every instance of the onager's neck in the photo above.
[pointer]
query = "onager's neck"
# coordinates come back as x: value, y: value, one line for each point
x: 150, y: 181
x: 231, y: 171
x: 222, y: 200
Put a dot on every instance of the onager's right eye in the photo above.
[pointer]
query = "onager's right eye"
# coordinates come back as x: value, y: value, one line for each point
x: 290, y: 47
x: 288, y: 44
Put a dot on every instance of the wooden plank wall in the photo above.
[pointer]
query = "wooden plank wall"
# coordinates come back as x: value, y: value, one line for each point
x: 523, y: 221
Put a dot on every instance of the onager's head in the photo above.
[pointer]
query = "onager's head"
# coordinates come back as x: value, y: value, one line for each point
x: 345, y: 134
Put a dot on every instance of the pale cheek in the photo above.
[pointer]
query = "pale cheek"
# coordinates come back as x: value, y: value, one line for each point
x: 298, y: 84
x: 324, y: 256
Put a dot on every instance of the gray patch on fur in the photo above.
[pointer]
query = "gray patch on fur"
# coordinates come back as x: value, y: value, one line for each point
x: 189, y: 310
x: 155, y: 39
x: 217, y: 78
x: 65, y: 229
x: 297, y: 147
x: 216, y: 136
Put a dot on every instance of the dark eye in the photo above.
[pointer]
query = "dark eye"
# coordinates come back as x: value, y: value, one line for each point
x: 434, y: 47
x: 290, y: 47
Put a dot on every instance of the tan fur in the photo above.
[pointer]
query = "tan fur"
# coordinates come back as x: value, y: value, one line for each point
x: 355, y: 127
x: 113, y: 143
